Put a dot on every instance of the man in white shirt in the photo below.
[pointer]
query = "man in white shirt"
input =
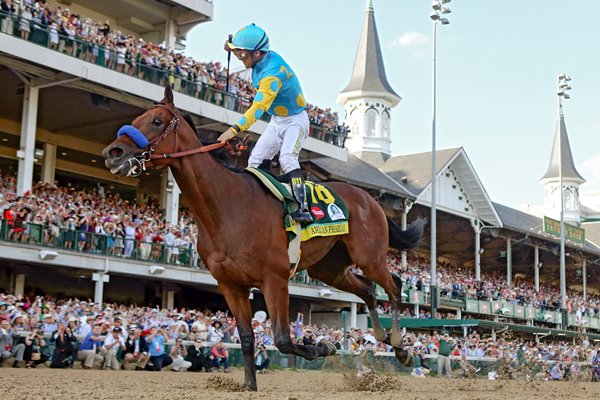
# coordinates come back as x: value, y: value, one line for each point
x: 86, y: 325
x: 170, y: 240
x: 111, y: 348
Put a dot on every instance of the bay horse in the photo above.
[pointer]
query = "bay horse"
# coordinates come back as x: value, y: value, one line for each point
x: 243, y: 242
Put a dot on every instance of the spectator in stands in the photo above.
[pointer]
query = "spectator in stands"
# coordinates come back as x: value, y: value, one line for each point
x: 10, y: 345
x: 156, y: 344
x: 33, y: 355
x: 49, y: 325
x: 557, y: 372
x: 110, y: 349
x: 7, y: 21
x: 200, y: 356
x: 25, y: 22
x: 130, y: 228
x: 266, y: 337
x: 178, y: 354
x: 261, y: 357
x: 220, y: 357
x: 445, y: 347
x: 64, y: 349
x: 89, y: 349
x: 136, y: 349
x: 215, y: 333
x: 86, y: 326
x: 279, y: 94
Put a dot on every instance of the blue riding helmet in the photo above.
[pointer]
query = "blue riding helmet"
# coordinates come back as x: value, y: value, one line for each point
x: 250, y: 37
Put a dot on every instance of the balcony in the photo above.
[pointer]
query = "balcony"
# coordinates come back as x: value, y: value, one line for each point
x: 124, y: 72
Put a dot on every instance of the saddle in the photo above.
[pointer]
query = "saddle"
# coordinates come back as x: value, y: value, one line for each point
x: 328, y: 210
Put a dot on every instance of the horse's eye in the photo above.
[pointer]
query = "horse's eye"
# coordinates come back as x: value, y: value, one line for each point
x: 157, y: 122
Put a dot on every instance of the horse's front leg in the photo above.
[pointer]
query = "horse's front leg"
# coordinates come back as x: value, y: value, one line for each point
x: 237, y: 299
x: 275, y: 290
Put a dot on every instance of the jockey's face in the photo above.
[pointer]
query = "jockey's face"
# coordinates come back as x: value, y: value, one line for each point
x: 244, y: 56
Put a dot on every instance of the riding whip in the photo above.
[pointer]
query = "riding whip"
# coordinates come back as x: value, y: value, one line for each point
x: 229, y: 39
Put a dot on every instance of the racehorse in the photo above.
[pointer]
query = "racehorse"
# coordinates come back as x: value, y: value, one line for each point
x: 242, y: 239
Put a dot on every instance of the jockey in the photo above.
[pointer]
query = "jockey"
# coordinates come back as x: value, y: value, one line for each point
x: 279, y: 94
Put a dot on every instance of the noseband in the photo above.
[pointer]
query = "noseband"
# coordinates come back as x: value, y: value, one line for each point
x: 137, y: 163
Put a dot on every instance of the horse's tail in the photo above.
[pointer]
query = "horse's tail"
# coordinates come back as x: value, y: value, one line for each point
x: 407, y: 239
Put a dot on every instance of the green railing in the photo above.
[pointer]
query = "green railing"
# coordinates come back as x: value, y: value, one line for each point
x: 107, y: 245
x: 136, y: 66
x: 495, y: 307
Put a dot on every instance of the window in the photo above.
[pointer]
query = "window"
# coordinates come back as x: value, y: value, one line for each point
x: 370, y: 118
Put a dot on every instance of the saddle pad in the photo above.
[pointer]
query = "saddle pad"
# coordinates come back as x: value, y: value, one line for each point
x: 328, y: 209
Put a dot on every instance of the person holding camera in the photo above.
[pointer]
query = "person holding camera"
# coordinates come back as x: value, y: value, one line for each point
x: 156, y: 343
x: 199, y: 356
x: 261, y: 358
x: 221, y: 357
x: 136, y: 349
x: 33, y: 353
x: 112, y: 344
x: 10, y: 345
x: 88, y: 351
x: 178, y: 354
x: 64, y: 341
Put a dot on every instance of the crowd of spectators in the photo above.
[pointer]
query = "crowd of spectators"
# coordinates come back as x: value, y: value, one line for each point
x: 460, y: 283
x: 517, y: 358
x: 100, y: 43
x: 58, y: 333
x: 37, y: 330
x: 95, y: 221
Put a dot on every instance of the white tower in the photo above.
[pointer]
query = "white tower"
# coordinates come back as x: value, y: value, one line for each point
x: 368, y: 98
x: 561, y: 150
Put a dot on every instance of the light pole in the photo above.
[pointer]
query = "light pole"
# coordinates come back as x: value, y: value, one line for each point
x: 563, y: 87
x: 437, y: 16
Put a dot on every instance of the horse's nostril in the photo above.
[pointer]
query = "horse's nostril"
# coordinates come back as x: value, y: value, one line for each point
x: 116, y: 152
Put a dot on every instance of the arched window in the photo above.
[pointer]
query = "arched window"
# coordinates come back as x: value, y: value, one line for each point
x: 370, y: 118
x: 385, y: 125
x: 569, y: 200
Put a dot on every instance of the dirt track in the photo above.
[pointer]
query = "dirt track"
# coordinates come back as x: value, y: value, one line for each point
x: 43, y: 383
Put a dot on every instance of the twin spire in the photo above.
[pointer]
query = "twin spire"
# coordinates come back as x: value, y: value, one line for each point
x: 368, y: 75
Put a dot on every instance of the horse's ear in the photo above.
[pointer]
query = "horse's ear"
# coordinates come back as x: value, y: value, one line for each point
x: 168, y: 94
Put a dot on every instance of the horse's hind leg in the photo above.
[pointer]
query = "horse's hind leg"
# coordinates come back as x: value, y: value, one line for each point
x: 237, y: 300
x: 346, y: 280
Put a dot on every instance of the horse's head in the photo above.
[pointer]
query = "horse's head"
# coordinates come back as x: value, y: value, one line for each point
x: 155, y: 131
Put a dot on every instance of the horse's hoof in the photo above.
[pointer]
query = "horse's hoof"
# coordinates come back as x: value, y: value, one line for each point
x: 403, y: 356
x: 250, y: 387
x: 326, y: 348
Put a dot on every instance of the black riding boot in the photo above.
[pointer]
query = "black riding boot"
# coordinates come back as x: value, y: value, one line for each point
x: 302, y: 214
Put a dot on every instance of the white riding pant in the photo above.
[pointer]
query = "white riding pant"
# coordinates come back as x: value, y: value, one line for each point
x: 284, y: 135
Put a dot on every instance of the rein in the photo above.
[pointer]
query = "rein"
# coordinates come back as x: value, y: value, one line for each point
x: 137, y: 164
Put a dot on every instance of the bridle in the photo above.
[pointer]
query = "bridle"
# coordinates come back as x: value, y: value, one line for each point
x: 137, y: 163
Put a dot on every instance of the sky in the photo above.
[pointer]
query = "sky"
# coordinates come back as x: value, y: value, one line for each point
x: 497, y: 67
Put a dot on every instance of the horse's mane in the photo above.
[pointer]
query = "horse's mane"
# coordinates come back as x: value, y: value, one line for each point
x: 221, y: 155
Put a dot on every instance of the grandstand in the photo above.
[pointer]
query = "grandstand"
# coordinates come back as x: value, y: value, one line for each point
x: 58, y: 97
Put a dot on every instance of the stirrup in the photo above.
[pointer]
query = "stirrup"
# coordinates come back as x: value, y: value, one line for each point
x: 302, y: 216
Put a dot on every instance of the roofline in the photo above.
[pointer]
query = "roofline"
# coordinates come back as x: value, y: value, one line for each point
x: 344, y: 97
x: 460, y: 151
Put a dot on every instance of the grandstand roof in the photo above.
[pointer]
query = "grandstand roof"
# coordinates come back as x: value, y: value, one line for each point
x: 368, y: 75
x: 561, y: 152
x: 410, y: 171
x: 592, y: 232
x: 358, y: 172
x: 531, y: 225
